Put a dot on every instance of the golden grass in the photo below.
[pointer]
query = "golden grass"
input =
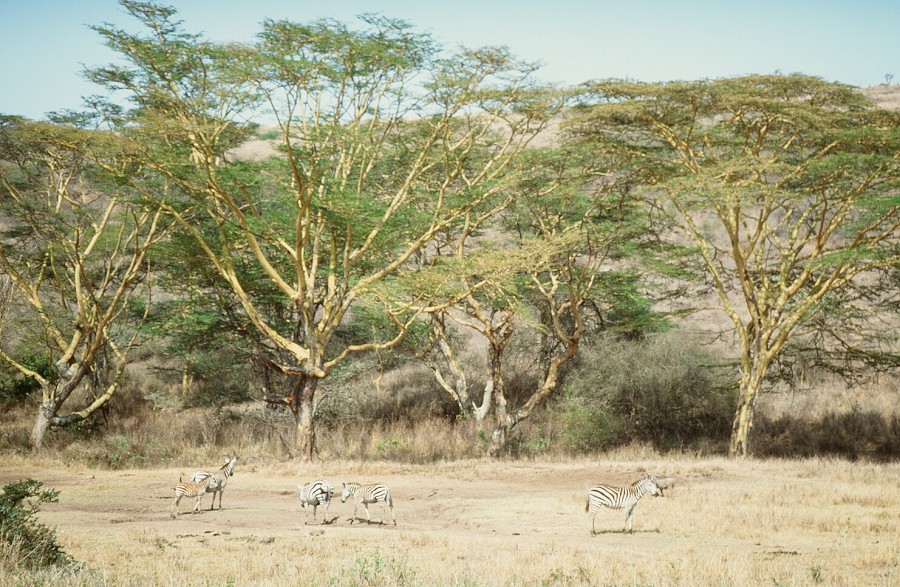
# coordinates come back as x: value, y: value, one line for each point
x: 481, y: 522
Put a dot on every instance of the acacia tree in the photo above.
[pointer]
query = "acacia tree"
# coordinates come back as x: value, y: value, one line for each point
x: 786, y: 186
x: 565, y: 232
x: 383, y: 144
x: 76, y: 249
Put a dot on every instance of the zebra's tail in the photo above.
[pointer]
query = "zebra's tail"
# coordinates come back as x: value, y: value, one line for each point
x: 587, y: 504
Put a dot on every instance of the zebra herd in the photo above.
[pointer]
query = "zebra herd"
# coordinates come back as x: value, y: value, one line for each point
x: 319, y: 493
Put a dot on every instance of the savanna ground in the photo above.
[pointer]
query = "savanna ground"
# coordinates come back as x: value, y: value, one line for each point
x: 483, y: 522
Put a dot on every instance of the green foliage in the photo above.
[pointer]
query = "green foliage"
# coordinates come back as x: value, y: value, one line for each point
x: 21, y: 532
x: 269, y: 135
x: 586, y: 427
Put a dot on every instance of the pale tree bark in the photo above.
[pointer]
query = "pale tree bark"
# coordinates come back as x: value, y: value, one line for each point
x: 454, y: 381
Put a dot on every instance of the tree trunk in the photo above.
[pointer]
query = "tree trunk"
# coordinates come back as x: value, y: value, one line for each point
x: 300, y: 400
x: 743, y: 417
x: 45, y: 415
x: 500, y: 435
x: 187, y: 380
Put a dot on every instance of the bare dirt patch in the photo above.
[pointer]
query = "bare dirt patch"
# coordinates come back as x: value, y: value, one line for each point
x: 488, y: 523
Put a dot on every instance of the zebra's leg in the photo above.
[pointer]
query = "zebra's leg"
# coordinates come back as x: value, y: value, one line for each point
x: 355, y: 506
x: 628, y: 515
x: 368, y: 518
x: 393, y: 517
x: 221, y: 493
x: 197, y: 504
x: 325, y: 517
x: 175, y: 507
x: 212, y: 503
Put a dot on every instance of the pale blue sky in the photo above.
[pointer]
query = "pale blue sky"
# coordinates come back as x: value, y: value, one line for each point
x: 44, y: 44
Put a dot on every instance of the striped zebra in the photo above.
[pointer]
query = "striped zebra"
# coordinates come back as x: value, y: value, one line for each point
x: 366, y: 494
x: 619, y: 498
x: 215, y: 482
x: 315, y: 494
x: 188, y: 490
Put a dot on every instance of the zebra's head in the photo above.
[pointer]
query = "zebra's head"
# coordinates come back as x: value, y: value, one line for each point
x: 229, y: 465
x: 345, y: 493
x: 648, y: 485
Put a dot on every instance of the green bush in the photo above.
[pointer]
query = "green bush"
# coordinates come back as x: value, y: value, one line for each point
x: 665, y: 390
x: 33, y: 543
x: 586, y: 426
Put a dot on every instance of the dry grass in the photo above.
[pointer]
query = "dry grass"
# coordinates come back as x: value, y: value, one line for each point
x: 479, y: 522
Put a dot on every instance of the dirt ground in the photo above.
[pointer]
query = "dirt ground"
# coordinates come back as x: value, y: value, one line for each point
x: 487, y: 523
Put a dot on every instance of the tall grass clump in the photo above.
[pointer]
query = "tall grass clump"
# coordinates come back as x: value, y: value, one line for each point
x: 667, y: 390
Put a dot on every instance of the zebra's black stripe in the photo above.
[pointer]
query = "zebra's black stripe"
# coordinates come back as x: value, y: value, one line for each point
x: 619, y: 498
x: 366, y: 494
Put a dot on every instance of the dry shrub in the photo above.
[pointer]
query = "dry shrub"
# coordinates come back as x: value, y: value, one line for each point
x: 831, y: 417
x: 16, y: 421
x: 853, y: 435
x: 408, y: 392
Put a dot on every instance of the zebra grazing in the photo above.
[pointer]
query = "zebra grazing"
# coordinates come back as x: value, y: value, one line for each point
x: 188, y: 490
x: 215, y: 482
x: 619, y: 497
x: 366, y: 494
x: 315, y: 494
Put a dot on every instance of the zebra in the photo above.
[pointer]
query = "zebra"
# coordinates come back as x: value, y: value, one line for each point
x: 215, y: 482
x: 366, y: 494
x: 188, y: 490
x: 620, y: 497
x: 315, y: 494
